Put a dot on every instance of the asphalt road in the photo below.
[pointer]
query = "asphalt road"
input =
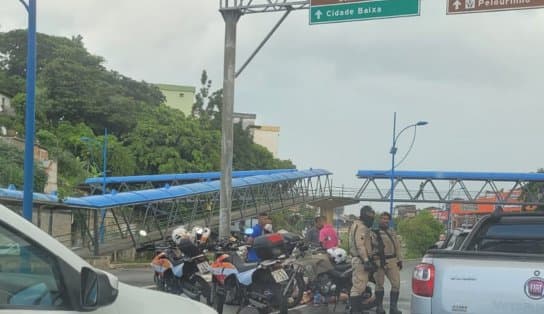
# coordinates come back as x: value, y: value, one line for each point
x: 143, y: 277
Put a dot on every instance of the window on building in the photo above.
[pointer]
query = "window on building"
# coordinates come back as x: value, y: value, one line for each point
x: 181, y: 95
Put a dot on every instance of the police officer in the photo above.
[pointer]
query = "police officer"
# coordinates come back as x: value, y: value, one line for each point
x: 361, y: 263
x: 386, y: 253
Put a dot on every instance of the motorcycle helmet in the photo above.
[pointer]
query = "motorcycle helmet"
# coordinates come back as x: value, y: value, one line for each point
x: 179, y: 234
x: 339, y: 255
x: 206, y: 232
x: 268, y: 228
x: 196, y: 234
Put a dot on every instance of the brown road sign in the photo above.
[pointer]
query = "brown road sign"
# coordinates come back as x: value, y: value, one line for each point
x: 326, y: 2
x: 474, y: 6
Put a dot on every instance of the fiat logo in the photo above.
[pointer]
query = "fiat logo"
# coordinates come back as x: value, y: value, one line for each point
x: 534, y: 288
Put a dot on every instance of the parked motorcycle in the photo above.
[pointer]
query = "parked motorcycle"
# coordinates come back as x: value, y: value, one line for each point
x: 181, y: 269
x: 165, y: 263
x: 329, y: 273
x: 265, y: 286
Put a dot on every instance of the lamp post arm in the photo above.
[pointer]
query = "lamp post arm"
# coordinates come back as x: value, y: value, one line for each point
x: 25, y: 5
x: 409, y: 149
x: 402, y: 131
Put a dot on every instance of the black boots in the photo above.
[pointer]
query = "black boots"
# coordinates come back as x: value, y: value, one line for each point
x: 356, y: 303
x: 379, y: 302
x: 393, y: 309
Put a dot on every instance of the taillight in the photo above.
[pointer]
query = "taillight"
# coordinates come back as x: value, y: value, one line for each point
x: 423, y: 280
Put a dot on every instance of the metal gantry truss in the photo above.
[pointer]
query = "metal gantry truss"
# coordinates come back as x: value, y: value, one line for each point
x: 262, y: 6
x: 123, y: 225
x: 484, y: 190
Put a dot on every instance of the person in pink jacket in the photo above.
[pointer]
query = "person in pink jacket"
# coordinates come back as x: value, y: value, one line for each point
x: 328, y: 237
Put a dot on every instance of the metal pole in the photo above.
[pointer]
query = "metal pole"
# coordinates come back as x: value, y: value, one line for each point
x: 30, y: 111
x: 104, y: 167
x: 105, y: 160
x: 263, y: 42
x: 96, y: 249
x: 393, y: 152
x: 231, y: 18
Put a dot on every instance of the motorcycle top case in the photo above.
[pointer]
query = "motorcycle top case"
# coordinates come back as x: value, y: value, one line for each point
x: 269, y: 246
x: 188, y: 248
x: 291, y: 240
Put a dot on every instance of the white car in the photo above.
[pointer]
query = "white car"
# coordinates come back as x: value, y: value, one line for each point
x: 42, y: 276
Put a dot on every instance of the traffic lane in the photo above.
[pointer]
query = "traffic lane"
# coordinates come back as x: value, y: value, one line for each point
x: 403, y: 304
x: 143, y: 277
x: 139, y: 277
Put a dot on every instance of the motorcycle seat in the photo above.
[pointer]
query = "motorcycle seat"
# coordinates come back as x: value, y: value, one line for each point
x: 342, y: 267
x: 241, y: 266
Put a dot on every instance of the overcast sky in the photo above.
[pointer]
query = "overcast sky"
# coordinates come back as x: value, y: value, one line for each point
x: 333, y: 88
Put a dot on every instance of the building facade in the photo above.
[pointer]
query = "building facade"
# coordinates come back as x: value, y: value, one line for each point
x: 5, y: 104
x: 267, y: 136
x: 178, y: 97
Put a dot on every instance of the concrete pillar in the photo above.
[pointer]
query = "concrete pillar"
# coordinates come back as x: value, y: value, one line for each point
x: 328, y: 213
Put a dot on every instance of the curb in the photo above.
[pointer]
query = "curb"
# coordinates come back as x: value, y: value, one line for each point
x: 129, y: 265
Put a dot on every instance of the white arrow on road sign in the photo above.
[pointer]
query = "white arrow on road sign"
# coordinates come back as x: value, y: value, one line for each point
x: 457, y: 4
x: 318, y: 14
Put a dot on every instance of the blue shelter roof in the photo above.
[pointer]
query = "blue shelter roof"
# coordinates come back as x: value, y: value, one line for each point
x: 197, y: 176
x: 454, y: 175
x: 172, y: 192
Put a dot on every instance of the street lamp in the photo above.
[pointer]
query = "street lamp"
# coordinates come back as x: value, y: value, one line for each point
x: 393, y: 152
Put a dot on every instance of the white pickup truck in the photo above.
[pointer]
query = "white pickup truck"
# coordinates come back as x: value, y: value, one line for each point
x: 38, y: 275
x: 499, y: 268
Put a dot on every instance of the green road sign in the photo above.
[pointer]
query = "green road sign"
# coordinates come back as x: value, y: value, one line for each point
x: 332, y: 11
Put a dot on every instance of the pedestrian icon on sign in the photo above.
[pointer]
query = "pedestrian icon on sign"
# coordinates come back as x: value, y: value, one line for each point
x: 470, y: 4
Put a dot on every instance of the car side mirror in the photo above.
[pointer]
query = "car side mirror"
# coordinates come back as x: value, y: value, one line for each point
x: 96, y: 290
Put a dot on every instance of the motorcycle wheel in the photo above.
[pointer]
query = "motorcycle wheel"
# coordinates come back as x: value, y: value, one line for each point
x: 370, y: 302
x: 159, y: 283
x: 231, y: 296
x: 284, y: 306
x: 204, y: 287
x: 295, y: 292
x: 218, y: 299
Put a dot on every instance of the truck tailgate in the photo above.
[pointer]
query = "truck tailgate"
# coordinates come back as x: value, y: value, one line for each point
x: 485, y: 285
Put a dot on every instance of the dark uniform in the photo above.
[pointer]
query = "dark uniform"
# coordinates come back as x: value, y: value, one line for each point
x: 386, y: 253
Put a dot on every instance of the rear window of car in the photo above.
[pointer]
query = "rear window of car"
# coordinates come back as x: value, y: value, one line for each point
x: 516, y: 231
x: 511, y: 238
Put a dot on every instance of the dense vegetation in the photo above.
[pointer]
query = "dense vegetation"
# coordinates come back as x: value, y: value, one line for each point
x: 77, y: 98
x: 419, y: 233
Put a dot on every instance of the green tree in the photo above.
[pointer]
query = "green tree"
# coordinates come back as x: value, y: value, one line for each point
x: 533, y: 192
x: 11, y: 169
x: 77, y: 97
x: 419, y: 233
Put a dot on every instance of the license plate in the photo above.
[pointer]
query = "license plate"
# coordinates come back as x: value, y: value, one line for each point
x: 204, y: 267
x: 280, y: 275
